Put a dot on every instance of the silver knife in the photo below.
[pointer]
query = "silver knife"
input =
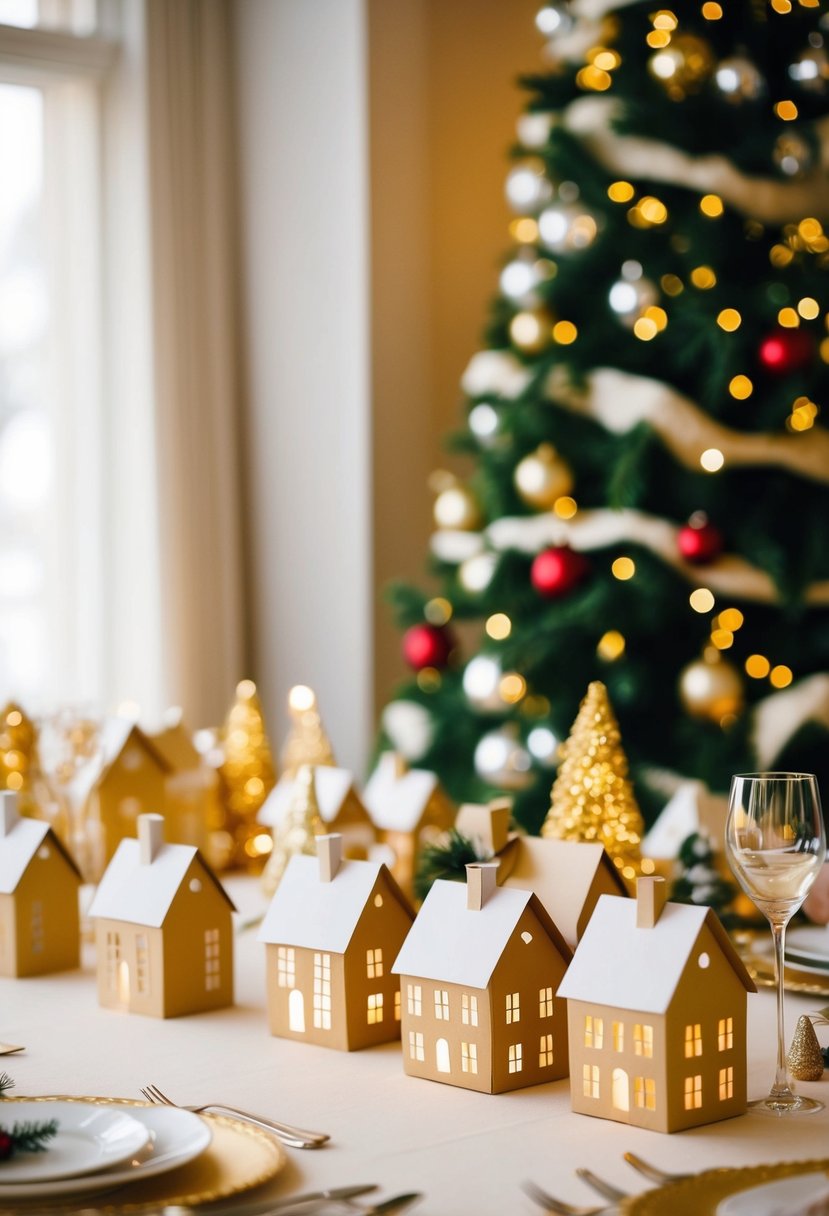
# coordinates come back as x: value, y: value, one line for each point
x: 261, y: 1207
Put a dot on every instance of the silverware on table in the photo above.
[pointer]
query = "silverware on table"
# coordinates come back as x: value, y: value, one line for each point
x: 306, y: 1203
x: 294, y: 1137
x: 661, y: 1177
x: 551, y: 1204
x: 10, y: 1049
x: 606, y: 1189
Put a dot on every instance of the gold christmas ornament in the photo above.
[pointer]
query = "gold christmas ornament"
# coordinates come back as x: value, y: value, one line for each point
x: 711, y: 688
x: 18, y: 755
x: 297, y: 832
x: 592, y: 797
x: 455, y: 506
x: 683, y: 66
x: 542, y: 477
x: 805, y: 1059
x: 247, y: 776
x: 307, y: 742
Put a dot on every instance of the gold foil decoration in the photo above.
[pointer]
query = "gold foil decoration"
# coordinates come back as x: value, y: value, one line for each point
x: 805, y: 1059
x: 247, y: 777
x: 307, y: 742
x: 22, y: 772
x: 592, y: 797
x: 297, y: 832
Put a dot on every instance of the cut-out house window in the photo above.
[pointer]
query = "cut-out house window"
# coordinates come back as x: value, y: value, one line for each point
x: 112, y: 957
x: 469, y: 1057
x: 643, y: 1040
x: 212, y: 964
x: 285, y: 966
x: 593, y: 1032
x: 516, y: 1057
x: 469, y: 1009
x: 590, y: 1080
x: 526, y: 937
x: 513, y: 1008
x: 545, y: 1002
x: 322, y: 991
x: 378, y: 900
x: 725, y: 1034
x: 620, y: 1089
x: 545, y: 1051
x: 693, y: 1040
x: 374, y: 964
x: 644, y: 1093
x: 442, y: 1056
x: 693, y: 1092
x: 441, y: 1004
x: 416, y: 1051
x: 375, y: 1008
x: 414, y: 999
x: 142, y: 967
x: 37, y: 926
x: 397, y: 1005
x: 726, y: 1084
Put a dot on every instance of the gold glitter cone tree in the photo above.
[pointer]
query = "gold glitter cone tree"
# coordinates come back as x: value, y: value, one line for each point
x: 307, y: 741
x: 592, y: 797
x: 297, y: 832
x: 246, y: 773
x: 21, y: 771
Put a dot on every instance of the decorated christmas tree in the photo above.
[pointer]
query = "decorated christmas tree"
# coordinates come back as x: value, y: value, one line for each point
x: 646, y: 499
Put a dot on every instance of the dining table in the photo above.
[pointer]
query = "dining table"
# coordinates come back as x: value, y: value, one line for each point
x: 468, y: 1153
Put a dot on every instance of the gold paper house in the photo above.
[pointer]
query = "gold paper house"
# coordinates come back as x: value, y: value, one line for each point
x: 39, y: 881
x: 130, y: 781
x: 478, y: 976
x: 163, y: 929
x: 409, y: 809
x: 341, y: 809
x: 191, y: 787
x: 656, y: 1006
x: 332, y: 931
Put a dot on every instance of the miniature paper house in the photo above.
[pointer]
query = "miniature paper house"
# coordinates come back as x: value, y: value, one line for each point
x: 163, y: 930
x: 478, y: 976
x: 409, y: 809
x: 191, y: 786
x: 568, y: 876
x: 485, y: 825
x: 39, y: 881
x: 341, y: 809
x: 693, y: 808
x: 332, y: 931
x: 130, y: 781
x: 656, y: 1003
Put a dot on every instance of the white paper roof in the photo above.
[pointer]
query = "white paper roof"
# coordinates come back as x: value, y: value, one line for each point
x: 620, y: 965
x: 319, y: 915
x: 17, y: 849
x: 142, y: 894
x: 331, y: 784
x: 451, y: 943
x: 395, y: 803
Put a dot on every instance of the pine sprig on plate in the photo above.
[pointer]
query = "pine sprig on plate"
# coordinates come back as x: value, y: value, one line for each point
x: 25, y: 1137
x: 6, y: 1083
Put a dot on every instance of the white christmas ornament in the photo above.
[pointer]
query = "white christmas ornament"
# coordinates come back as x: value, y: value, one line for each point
x: 409, y: 728
x: 519, y: 278
x: 543, y: 745
x: 497, y: 372
x: 739, y: 80
x: 476, y: 572
x: 483, y: 423
x: 527, y: 186
x: 481, y: 679
x: 502, y: 760
x: 533, y: 129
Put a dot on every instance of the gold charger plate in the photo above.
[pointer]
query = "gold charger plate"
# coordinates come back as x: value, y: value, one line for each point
x: 700, y: 1195
x: 238, y: 1158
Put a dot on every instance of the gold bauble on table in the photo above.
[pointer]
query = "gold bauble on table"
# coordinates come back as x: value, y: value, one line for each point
x: 712, y: 689
x: 456, y: 507
x: 542, y: 477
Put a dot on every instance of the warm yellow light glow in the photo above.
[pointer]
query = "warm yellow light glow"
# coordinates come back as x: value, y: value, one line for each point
x: 781, y: 676
x: 711, y: 11
x: 788, y: 318
x: 301, y: 698
x: 428, y: 679
x: 701, y: 600
x: 245, y: 689
x: 671, y: 284
x: 723, y: 639
x: 808, y: 308
x: 527, y: 331
x: 729, y: 320
x: 786, y: 110
x: 611, y: 646
x: 824, y: 350
x: 606, y: 60
x: 711, y: 205
x: 524, y: 230
x: 658, y: 39
x: 731, y: 618
x: 623, y: 568
x: 780, y: 255
x: 498, y: 626
x: 664, y: 20
x: 438, y: 611
x: 645, y: 329
x: 512, y: 687
x: 620, y: 192
x: 14, y: 781
x: 653, y: 209
x: 740, y: 387
x: 782, y: 6
x: 657, y: 315
x: 594, y: 78
x: 565, y: 332
x: 703, y: 277
x: 810, y: 229
x: 757, y: 666
x: 712, y: 460
x: 565, y: 507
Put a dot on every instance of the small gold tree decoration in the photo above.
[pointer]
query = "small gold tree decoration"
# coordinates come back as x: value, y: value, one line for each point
x: 298, y: 830
x: 307, y: 742
x: 246, y: 774
x: 19, y: 762
x: 804, y: 1058
x: 592, y: 797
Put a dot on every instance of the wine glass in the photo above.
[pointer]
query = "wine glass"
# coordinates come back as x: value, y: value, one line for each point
x: 775, y: 843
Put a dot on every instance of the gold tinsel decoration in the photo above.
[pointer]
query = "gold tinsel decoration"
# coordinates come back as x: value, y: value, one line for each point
x: 297, y: 832
x: 307, y: 742
x: 247, y: 776
x: 805, y: 1059
x: 21, y: 771
x: 592, y: 797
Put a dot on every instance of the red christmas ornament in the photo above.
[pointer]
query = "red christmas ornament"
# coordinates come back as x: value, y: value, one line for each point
x: 699, y: 541
x: 6, y: 1145
x: 786, y: 350
x: 427, y: 646
x: 555, y: 572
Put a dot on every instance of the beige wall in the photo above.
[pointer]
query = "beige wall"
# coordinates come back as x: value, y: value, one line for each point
x: 443, y: 101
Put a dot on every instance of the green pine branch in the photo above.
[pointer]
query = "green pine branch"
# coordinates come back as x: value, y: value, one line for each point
x: 31, y: 1137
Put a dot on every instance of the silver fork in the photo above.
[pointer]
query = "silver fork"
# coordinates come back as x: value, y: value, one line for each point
x: 546, y: 1201
x: 294, y: 1137
x: 651, y: 1172
x: 606, y: 1189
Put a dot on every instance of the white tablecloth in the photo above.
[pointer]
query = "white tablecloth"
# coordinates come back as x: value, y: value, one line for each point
x: 467, y: 1152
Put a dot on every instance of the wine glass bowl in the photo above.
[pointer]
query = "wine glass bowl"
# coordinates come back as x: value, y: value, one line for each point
x: 775, y: 842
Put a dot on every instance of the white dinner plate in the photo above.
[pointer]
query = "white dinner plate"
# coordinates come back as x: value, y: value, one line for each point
x: 174, y: 1137
x: 808, y: 945
x: 89, y: 1138
x: 781, y: 1198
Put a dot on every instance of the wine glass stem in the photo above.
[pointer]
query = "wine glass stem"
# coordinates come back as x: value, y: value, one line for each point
x: 781, y: 1078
